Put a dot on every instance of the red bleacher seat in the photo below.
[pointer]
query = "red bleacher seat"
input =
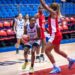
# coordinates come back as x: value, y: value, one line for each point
x: 72, y: 19
x: 3, y: 33
x: 60, y: 27
x: 1, y: 25
x: 64, y: 25
x: 10, y: 32
x: 6, y: 24
x: 67, y: 19
x: 11, y: 23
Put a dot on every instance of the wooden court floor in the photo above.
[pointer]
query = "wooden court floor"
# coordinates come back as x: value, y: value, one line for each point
x: 11, y: 63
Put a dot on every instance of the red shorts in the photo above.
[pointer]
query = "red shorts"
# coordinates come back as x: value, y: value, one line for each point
x: 58, y: 38
x: 42, y: 33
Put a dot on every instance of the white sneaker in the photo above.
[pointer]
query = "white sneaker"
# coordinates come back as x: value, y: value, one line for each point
x: 31, y: 70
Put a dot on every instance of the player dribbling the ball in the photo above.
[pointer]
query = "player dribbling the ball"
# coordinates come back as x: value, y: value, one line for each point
x: 33, y: 31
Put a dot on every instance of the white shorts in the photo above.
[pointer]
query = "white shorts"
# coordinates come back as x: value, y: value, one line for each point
x: 47, y: 34
x: 19, y: 34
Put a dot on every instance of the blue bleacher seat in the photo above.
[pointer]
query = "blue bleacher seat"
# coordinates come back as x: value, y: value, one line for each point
x: 31, y: 7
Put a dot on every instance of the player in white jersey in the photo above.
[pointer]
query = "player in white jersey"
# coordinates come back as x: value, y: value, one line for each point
x: 33, y: 31
x: 19, y: 30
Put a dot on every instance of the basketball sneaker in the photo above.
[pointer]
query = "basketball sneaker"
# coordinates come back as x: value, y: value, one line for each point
x: 55, y: 70
x: 37, y: 59
x: 31, y: 70
x: 42, y: 57
x: 25, y: 65
x: 71, y: 62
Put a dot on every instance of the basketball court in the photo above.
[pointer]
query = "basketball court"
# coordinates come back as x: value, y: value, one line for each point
x: 11, y: 63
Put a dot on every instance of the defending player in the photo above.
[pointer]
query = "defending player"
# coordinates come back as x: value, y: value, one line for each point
x: 55, y: 36
x: 41, y: 22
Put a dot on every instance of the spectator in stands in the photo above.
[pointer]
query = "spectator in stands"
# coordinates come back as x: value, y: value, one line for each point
x: 55, y: 36
x: 19, y: 30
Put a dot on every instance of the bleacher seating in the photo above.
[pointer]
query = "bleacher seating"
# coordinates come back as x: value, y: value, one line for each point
x: 6, y: 31
x: 1, y: 25
x: 7, y: 35
x: 10, y: 8
x: 24, y: 1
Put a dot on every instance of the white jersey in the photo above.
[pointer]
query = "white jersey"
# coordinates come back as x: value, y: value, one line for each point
x: 19, y: 28
x: 32, y: 32
x: 20, y: 25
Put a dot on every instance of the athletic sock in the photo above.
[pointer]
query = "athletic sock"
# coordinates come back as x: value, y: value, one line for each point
x: 26, y: 60
x: 17, y: 50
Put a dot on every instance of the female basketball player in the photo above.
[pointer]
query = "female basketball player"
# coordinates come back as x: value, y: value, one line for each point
x: 19, y: 30
x: 55, y: 36
x: 33, y: 31
x: 26, y: 19
x: 41, y: 22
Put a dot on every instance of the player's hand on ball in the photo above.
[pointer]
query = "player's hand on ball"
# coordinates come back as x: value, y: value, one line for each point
x: 25, y: 38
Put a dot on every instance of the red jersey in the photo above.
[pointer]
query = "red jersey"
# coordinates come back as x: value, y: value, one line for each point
x: 42, y: 24
x: 54, y: 30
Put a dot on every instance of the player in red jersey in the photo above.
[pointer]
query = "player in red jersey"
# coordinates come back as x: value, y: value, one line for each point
x: 41, y: 22
x: 55, y: 36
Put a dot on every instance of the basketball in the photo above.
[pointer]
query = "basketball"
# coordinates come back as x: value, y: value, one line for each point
x: 25, y: 38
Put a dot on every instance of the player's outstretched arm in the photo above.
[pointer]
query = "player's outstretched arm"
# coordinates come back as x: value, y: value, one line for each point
x: 46, y: 6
